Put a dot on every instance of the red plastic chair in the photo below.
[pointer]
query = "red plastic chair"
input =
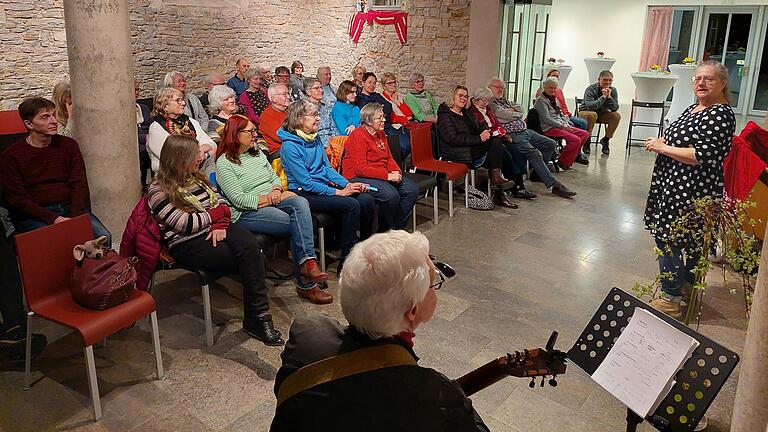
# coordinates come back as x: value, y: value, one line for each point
x: 45, y: 264
x: 421, y: 154
x: 10, y: 123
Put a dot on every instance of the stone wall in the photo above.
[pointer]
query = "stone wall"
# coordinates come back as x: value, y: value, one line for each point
x: 182, y: 35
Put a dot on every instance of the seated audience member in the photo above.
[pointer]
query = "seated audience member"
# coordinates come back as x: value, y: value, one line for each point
x: 169, y: 119
x: 283, y: 76
x: 420, y: 101
x: 211, y: 81
x: 266, y: 75
x: 254, y: 99
x: 237, y: 82
x: 577, y: 121
x: 259, y: 204
x: 463, y: 141
x: 326, y: 128
x: 357, y: 77
x: 43, y: 177
x: 346, y: 115
x: 401, y: 114
x: 601, y: 104
x: 324, y: 75
x: 514, y: 163
x: 367, y: 159
x: 195, y: 225
x: 555, y: 124
x: 193, y: 107
x: 388, y: 289
x: 311, y: 176
x: 296, y: 80
x: 274, y: 115
x: 535, y: 148
x: 143, y: 120
x: 62, y: 97
x: 223, y: 107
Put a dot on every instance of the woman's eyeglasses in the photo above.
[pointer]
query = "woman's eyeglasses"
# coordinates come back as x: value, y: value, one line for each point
x: 443, y: 272
x: 250, y: 131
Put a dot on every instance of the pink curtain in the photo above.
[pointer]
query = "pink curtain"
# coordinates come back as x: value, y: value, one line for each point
x: 658, y: 30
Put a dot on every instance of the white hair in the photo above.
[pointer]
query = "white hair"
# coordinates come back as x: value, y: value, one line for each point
x: 482, y: 92
x: 384, y: 277
x: 211, y: 76
x: 550, y: 81
x: 217, y: 95
x: 168, y: 78
x: 273, y: 89
x: 321, y: 69
x: 493, y: 80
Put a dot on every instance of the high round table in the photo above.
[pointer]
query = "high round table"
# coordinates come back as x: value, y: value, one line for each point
x: 565, y: 70
x: 683, y: 96
x: 650, y: 87
x: 596, y: 65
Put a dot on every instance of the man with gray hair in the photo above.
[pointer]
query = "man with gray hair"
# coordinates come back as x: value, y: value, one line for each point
x: 601, y: 104
x: 272, y: 117
x: 388, y: 289
x: 329, y: 93
x: 211, y: 81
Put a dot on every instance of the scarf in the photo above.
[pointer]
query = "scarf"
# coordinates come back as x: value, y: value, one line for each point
x: 188, y: 197
x: 553, y: 101
x: 181, y: 125
x: 305, y: 136
x: 396, y: 101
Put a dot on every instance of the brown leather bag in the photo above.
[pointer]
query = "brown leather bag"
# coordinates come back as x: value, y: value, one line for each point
x: 103, y: 283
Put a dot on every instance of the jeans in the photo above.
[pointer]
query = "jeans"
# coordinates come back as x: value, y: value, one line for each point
x: 239, y: 253
x: 537, y: 150
x: 62, y: 209
x: 395, y: 201
x: 405, y: 138
x: 579, y: 122
x: 681, y: 271
x: 356, y: 213
x: 291, y: 217
x: 574, y: 139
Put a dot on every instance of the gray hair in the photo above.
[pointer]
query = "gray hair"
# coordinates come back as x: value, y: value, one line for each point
x: 368, y: 112
x: 217, y: 95
x: 296, y: 111
x: 550, y: 81
x: 321, y: 69
x: 210, y: 77
x: 415, y: 77
x: 251, y: 73
x: 384, y: 277
x: 309, y: 82
x: 482, y: 92
x: 493, y: 80
x: 722, y: 73
x: 168, y: 78
x: 272, y: 89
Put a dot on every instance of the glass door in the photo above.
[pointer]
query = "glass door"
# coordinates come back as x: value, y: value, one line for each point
x: 759, y: 103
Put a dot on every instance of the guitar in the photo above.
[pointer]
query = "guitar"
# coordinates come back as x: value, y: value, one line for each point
x: 529, y: 363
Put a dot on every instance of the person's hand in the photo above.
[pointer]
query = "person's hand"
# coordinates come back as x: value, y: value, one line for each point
x: 286, y: 194
x: 484, y: 135
x: 216, y: 235
x: 349, y: 189
x: 360, y: 187
x: 350, y: 128
x: 70, y: 109
x: 655, y: 145
x: 394, y: 177
x: 204, y: 148
x: 606, y: 93
x: 60, y: 219
x: 274, y: 197
x: 431, y: 119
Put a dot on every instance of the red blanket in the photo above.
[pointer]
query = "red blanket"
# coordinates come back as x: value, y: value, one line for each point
x: 746, y: 161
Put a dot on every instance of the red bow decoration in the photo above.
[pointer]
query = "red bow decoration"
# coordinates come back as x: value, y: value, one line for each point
x: 396, y: 18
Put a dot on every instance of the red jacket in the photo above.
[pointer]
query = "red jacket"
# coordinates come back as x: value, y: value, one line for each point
x: 746, y: 161
x: 141, y: 239
x: 495, y: 127
x: 364, y: 157
x: 405, y: 109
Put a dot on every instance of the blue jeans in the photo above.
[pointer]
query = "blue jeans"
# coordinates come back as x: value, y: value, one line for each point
x: 395, y: 201
x: 679, y: 267
x: 405, y: 138
x: 291, y: 217
x: 62, y: 209
x: 537, y: 150
x: 579, y: 122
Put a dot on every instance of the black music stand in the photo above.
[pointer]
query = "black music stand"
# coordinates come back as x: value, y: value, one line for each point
x: 697, y: 383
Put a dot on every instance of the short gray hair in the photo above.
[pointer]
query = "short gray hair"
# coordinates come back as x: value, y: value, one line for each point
x: 250, y: 73
x: 272, y: 89
x: 415, y: 77
x: 493, y: 80
x: 550, y: 81
x: 384, y: 277
x: 209, y: 78
x: 296, y: 111
x: 217, y: 95
x: 482, y: 92
x: 309, y: 82
x: 168, y: 78
x: 368, y: 112
x: 321, y: 69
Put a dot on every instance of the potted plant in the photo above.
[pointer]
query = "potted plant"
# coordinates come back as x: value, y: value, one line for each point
x: 551, y: 60
x: 600, y: 54
x: 689, y: 61
x: 655, y: 68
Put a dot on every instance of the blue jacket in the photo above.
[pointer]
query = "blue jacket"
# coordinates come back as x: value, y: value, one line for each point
x: 345, y: 114
x: 306, y: 165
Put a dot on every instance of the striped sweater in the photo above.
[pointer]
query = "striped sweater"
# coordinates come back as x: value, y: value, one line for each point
x: 242, y: 184
x: 178, y: 226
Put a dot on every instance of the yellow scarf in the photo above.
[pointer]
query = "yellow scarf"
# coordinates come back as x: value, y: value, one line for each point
x: 188, y: 197
x: 305, y: 136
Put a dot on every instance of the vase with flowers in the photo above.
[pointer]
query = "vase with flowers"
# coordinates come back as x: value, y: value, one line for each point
x: 689, y: 61
x: 600, y: 54
x: 655, y: 68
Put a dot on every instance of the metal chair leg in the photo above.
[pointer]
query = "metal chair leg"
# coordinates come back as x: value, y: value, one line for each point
x: 321, y: 237
x: 466, y: 190
x: 207, y: 314
x: 156, y: 346
x: 450, y: 198
x: 434, y: 206
x: 472, y: 177
x: 413, y: 212
x: 93, y: 384
x: 28, y: 352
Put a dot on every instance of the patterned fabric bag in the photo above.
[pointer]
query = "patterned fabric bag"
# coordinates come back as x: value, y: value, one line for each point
x: 478, y: 200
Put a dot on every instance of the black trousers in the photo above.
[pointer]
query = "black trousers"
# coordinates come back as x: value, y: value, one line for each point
x: 11, y: 297
x: 239, y: 253
x: 495, y: 157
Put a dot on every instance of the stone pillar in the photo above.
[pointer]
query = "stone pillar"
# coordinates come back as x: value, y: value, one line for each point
x: 101, y: 75
x: 483, y: 52
x: 750, y: 409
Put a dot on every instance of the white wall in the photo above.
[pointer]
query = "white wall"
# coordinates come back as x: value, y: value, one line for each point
x: 581, y: 28
x: 484, y: 30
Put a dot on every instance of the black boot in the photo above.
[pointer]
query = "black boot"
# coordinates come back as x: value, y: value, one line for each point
x: 262, y: 329
x: 586, y: 148
x: 606, y: 148
x: 581, y: 159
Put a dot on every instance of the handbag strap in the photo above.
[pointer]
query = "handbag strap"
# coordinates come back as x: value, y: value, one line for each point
x: 342, y: 366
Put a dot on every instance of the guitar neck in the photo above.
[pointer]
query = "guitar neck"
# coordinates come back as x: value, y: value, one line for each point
x: 484, y: 376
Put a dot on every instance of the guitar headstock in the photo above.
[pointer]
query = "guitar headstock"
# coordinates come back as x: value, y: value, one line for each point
x: 536, y: 362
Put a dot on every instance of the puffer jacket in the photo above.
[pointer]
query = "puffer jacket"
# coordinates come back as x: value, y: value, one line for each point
x: 459, y: 136
x: 141, y: 239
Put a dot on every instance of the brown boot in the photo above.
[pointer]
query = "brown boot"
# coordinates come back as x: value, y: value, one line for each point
x: 310, y: 272
x: 501, y: 199
x: 498, y: 180
x: 315, y: 295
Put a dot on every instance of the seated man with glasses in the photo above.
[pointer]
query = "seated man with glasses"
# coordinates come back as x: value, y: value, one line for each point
x: 366, y: 373
x: 272, y: 117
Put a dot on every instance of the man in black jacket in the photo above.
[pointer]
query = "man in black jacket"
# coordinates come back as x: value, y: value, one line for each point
x: 388, y: 288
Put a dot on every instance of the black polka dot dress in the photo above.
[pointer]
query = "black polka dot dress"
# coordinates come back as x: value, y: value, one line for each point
x: 675, y: 185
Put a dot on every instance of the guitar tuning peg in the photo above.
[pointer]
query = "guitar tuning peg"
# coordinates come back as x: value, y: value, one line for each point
x: 553, y: 381
x: 542, y: 381
x: 532, y: 384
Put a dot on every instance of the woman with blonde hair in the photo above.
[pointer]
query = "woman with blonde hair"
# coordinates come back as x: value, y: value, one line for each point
x: 357, y: 77
x: 195, y: 225
x: 62, y: 97
x: 401, y: 114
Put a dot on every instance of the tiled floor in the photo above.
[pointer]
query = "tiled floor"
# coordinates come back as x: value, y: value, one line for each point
x: 521, y: 274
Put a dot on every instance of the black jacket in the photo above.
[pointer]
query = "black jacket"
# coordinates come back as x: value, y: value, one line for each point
x: 459, y: 136
x: 401, y: 398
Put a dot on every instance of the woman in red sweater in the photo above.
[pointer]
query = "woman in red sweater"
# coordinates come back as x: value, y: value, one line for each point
x: 367, y: 159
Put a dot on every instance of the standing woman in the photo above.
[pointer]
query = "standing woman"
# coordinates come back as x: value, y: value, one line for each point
x: 254, y: 99
x: 195, y: 225
x: 689, y: 166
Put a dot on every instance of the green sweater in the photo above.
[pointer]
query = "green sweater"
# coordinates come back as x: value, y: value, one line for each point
x: 243, y: 183
x: 418, y: 101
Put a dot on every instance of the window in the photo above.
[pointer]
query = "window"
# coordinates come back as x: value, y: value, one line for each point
x: 385, y: 4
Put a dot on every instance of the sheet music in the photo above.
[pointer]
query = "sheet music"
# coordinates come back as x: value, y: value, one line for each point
x: 640, y: 367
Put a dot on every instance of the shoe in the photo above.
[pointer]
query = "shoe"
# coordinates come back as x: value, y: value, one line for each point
x: 523, y: 193
x: 497, y: 180
x: 581, y: 159
x: 562, y: 190
x: 533, y: 177
x: 586, y: 148
x: 669, y: 307
x: 500, y: 199
x: 315, y: 295
x: 562, y: 167
x: 13, y: 344
x: 606, y: 148
x: 310, y: 272
x: 261, y: 328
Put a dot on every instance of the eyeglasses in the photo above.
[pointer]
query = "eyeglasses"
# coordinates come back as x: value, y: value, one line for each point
x: 443, y: 272
x: 316, y: 115
x: 179, y: 101
x: 419, y: 82
x: 462, y: 96
x: 706, y: 79
x: 250, y: 131
x: 316, y: 88
x: 390, y: 82
x: 282, y: 75
x: 379, y: 118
